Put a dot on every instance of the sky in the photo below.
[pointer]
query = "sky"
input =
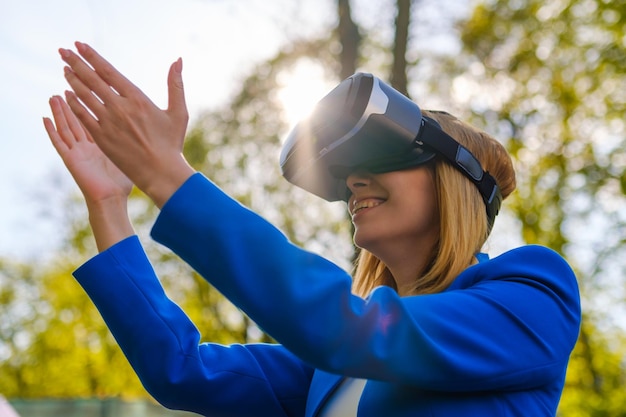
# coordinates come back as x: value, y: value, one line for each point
x: 219, y: 41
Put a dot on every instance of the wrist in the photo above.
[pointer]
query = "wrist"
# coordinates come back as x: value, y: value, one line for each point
x: 109, y: 221
x: 161, y: 186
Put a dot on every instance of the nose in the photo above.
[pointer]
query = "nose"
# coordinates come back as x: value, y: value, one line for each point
x: 358, y: 180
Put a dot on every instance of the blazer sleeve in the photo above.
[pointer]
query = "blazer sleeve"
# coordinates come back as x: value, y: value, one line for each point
x: 162, y: 345
x: 509, y: 323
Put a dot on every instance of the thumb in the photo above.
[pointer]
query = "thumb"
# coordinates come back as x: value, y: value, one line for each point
x: 176, y: 91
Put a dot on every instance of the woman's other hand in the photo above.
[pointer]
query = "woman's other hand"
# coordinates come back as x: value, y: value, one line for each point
x: 104, y: 186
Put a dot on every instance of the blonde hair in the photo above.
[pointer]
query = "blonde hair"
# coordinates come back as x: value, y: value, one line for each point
x: 463, y: 227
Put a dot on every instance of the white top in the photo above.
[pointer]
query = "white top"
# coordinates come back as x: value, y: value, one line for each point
x: 345, y: 400
x: 5, y: 408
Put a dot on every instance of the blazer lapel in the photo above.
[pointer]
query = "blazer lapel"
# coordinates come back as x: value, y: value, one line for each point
x: 322, y: 386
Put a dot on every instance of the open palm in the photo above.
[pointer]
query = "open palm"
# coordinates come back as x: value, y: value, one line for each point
x: 97, y: 177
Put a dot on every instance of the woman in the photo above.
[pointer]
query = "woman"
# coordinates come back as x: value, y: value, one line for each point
x: 438, y: 330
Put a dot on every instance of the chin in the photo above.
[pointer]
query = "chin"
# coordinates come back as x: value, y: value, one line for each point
x: 365, y: 242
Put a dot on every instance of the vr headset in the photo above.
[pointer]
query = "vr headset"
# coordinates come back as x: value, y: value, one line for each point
x: 364, y: 124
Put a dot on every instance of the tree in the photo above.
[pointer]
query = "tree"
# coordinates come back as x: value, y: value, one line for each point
x: 399, y: 66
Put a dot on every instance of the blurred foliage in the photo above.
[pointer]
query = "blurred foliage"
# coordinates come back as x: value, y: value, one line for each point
x: 54, y: 343
x: 547, y: 78
x: 596, y: 378
x: 551, y: 76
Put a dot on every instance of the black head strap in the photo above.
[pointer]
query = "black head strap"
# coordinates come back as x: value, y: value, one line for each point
x: 461, y: 158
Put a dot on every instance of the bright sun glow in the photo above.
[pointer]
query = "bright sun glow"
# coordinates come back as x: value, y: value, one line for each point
x: 302, y: 87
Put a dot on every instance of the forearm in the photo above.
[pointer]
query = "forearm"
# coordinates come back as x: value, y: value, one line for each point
x: 305, y: 303
x: 162, y: 345
x: 109, y: 221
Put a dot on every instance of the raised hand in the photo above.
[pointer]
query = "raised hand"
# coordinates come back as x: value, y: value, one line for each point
x: 104, y: 186
x: 97, y: 177
x: 144, y: 141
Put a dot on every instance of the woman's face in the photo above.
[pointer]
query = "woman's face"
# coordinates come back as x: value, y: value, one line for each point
x: 395, y: 210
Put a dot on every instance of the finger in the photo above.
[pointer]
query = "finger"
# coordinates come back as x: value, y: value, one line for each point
x: 89, y: 122
x: 73, y: 123
x: 87, y: 134
x: 176, y: 90
x: 62, y: 130
x: 58, y: 143
x: 84, y: 92
x: 87, y: 76
x: 106, y: 71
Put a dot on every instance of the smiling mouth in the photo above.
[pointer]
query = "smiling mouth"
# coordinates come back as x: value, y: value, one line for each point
x: 365, y: 204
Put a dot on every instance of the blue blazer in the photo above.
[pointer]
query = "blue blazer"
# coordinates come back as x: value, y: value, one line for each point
x: 495, y: 343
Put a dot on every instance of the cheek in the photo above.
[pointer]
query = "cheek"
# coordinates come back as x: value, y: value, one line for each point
x: 423, y: 209
x: 422, y: 218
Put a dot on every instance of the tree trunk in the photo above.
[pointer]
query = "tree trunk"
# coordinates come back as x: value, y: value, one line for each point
x: 399, y: 66
x: 349, y: 38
